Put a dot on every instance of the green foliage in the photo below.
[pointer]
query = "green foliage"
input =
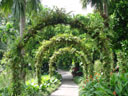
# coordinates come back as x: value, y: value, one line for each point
x: 93, y: 24
x: 93, y: 37
x: 98, y: 87
x: 119, y: 84
x: 13, y: 59
x: 62, y: 51
x: 5, y: 78
x: 48, y: 85
x: 79, y: 68
x: 93, y: 88
x: 98, y: 66
x: 64, y: 61
x: 6, y: 92
x: 8, y: 32
x: 18, y: 8
x: 120, y: 23
x: 122, y: 62
x: 78, y: 79
x: 56, y: 40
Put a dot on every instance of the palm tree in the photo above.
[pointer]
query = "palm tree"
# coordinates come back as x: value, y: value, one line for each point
x: 100, y: 5
x: 19, y: 8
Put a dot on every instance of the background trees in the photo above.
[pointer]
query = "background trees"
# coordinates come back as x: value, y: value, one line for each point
x: 98, y: 38
x: 19, y: 8
x: 100, y: 5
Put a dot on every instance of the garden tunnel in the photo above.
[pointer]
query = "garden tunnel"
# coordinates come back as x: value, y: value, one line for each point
x: 57, y: 40
x: 70, y: 50
x: 17, y: 59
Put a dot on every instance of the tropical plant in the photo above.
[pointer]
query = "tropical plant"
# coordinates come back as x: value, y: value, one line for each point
x: 120, y: 25
x: 19, y: 8
x: 100, y: 5
x: 95, y: 40
x: 98, y: 87
x: 31, y: 88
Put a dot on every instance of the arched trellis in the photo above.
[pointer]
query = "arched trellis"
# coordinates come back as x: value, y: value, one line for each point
x: 70, y: 50
x: 15, y: 57
x: 57, y: 40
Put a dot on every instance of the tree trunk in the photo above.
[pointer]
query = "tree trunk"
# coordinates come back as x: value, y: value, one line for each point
x: 23, y: 66
x: 106, y: 10
x: 22, y: 19
x: 105, y: 14
x: 22, y: 25
x: 22, y: 29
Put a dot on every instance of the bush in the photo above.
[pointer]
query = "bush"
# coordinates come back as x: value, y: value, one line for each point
x: 77, y: 79
x: 48, y: 85
x: 77, y: 69
x: 117, y: 86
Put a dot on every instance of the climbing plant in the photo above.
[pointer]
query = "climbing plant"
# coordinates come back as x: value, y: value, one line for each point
x: 51, y: 18
x: 70, y: 50
x: 14, y: 60
x: 19, y: 61
x: 57, y: 40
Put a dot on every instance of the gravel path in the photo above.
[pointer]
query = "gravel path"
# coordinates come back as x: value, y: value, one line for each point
x: 68, y: 87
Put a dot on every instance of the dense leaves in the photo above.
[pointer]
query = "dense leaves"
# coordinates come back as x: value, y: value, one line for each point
x: 52, y: 32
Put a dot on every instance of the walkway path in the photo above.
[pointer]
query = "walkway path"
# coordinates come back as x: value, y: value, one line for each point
x: 68, y: 87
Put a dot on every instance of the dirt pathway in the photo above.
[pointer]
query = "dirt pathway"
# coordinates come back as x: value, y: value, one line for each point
x: 68, y: 87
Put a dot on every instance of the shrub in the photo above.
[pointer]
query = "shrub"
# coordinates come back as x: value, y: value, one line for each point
x: 98, y: 87
x: 32, y: 88
x: 78, y: 79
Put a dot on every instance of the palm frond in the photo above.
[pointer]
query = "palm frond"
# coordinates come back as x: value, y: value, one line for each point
x: 98, y: 4
x: 6, y: 5
x: 33, y: 5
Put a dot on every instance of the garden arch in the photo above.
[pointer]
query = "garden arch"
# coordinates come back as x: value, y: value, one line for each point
x: 70, y: 50
x: 17, y: 60
x: 57, y: 40
x: 15, y: 57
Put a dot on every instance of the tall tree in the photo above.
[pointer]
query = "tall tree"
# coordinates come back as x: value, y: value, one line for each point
x: 100, y: 5
x: 19, y: 8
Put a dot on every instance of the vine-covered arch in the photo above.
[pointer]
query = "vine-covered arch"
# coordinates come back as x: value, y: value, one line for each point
x: 15, y: 57
x: 70, y: 50
x: 57, y: 40
x: 17, y: 60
